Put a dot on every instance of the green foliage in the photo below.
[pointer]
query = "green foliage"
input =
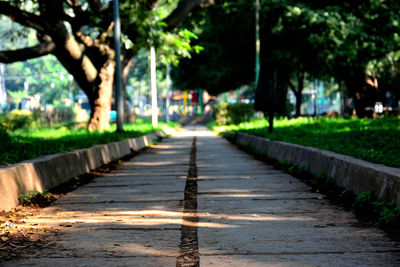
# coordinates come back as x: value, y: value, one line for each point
x: 376, y: 141
x: 20, y: 119
x: 45, y: 76
x: 27, y: 144
x: 340, y: 40
x: 364, y: 199
x: 4, y: 137
x: 36, y: 198
x: 384, y: 214
x: 226, y: 32
x: 62, y: 113
x: 17, y: 96
x: 221, y: 113
x: 233, y: 113
x: 173, y: 47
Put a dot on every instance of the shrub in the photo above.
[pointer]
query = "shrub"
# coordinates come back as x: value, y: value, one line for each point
x: 20, y: 119
x: 35, y: 198
x: 59, y: 114
x: 221, y: 113
x: 233, y: 113
x: 4, y: 137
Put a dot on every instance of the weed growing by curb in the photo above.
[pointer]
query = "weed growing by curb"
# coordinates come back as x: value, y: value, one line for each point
x: 35, y: 198
x: 384, y: 215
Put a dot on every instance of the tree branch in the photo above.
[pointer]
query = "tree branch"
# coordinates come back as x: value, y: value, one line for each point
x: 72, y: 3
x: 96, y: 5
x: 20, y: 16
x: 181, y: 12
x: 292, y: 87
x: 150, y: 4
x: 39, y: 50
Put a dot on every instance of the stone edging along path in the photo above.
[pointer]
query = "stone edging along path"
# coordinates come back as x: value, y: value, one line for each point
x: 348, y: 172
x: 49, y: 171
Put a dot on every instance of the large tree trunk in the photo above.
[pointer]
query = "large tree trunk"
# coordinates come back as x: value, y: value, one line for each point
x: 100, y: 99
x: 95, y: 80
x: 265, y: 91
x: 357, y: 86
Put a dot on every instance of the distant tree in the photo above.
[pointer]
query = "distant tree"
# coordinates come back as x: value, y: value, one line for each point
x: 79, y: 34
x: 226, y: 31
x: 17, y: 97
x: 314, y: 39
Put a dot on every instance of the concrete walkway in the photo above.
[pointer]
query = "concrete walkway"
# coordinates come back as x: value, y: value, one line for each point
x: 207, y: 204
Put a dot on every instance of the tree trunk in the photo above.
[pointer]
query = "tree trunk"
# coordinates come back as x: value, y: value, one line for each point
x: 299, y: 93
x: 265, y: 92
x: 356, y: 85
x: 95, y: 81
x: 298, y: 104
x: 100, y: 99
x: 127, y: 64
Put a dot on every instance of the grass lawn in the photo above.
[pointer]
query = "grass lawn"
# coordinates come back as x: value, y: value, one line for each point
x: 376, y: 140
x: 26, y: 144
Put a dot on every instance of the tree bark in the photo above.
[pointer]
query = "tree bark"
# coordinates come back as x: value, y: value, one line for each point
x: 127, y: 64
x: 100, y: 99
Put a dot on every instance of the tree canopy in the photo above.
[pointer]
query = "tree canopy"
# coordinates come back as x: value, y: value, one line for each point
x: 353, y: 42
x: 79, y: 35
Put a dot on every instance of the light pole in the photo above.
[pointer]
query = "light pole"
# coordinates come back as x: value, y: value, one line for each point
x: 3, y: 91
x: 258, y: 43
x: 71, y: 96
x: 153, y: 86
x: 26, y: 87
x: 168, y: 83
x: 117, y: 74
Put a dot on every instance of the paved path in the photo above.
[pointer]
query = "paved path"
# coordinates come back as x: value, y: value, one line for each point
x: 207, y: 204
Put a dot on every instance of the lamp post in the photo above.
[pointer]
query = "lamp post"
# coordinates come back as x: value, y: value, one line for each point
x: 257, y: 22
x: 26, y: 87
x: 153, y: 86
x: 71, y: 96
x: 3, y: 91
x: 168, y: 82
x: 117, y: 74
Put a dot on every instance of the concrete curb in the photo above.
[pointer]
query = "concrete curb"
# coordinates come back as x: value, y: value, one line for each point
x: 353, y: 174
x: 49, y: 171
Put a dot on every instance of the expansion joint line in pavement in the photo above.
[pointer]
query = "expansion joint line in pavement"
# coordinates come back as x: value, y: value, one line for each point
x: 189, y: 246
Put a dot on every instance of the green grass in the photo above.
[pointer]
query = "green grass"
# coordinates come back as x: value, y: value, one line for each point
x: 27, y: 144
x: 376, y: 140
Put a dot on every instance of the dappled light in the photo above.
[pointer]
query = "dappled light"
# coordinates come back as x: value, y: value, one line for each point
x: 258, y: 217
x: 196, y: 133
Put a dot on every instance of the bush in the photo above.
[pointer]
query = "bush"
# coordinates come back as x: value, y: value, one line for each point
x: 233, y: 113
x: 4, y: 137
x: 59, y: 114
x: 20, y: 119
x: 35, y: 198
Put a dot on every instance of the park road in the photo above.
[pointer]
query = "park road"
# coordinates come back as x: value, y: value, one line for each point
x: 196, y: 200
